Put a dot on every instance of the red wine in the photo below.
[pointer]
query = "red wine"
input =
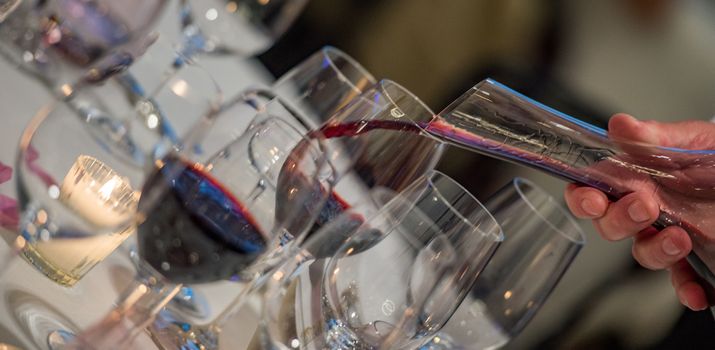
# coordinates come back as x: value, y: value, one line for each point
x: 368, y: 171
x: 336, y: 204
x: 197, y: 231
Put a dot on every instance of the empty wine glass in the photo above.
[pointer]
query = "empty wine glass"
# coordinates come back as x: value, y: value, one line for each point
x: 208, y: 222
x: 60, y: 41
x: 542, y: 239
x: 317, y: 87
x: 308, y: 94
x: 77, y: 198
x: 382, y: 278
x: 143, y: 115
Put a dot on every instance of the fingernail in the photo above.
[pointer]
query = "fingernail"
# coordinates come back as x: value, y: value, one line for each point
x: 669, y: 247
x: 638, y: 212
x: 588, y: 207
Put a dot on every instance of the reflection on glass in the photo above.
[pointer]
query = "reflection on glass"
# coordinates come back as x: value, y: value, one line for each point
x: 495, y: 120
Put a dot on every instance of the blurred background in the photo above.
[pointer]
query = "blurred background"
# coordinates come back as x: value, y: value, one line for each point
x: 650, y: 58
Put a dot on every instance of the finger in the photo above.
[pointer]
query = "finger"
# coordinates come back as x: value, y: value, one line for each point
x: 690, y: 293
x: 585, y: 202
x: 628, y: 216
x: 663, y: 249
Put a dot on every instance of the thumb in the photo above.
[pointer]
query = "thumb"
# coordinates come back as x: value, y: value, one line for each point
x: 693, y: 134
x: 625, y: 127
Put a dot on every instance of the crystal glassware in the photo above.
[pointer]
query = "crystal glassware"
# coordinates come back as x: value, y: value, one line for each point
x: 142, y: 115
x: 541, y: 241
x: 77, y: 199
x: 208, y: 222
x: 309, y: 94
x: 497, y: 121
x: 384, y: 274
x: 362, y: 161
x: 60, y: 42
x: 317, y: 87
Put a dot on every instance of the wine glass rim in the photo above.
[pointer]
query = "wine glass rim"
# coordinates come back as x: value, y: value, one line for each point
x: 384, y: 83
x: 323, y: 163
x: 498, y: 235
x: 577, y: 235
x: 331, y: 52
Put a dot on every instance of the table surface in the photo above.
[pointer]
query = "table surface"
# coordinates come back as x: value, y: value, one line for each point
x: 26, y: 296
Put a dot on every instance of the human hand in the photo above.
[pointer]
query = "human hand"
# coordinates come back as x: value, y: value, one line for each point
x: 633, y: 214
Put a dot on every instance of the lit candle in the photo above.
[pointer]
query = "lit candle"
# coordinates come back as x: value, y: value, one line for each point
x: 98, y: 193
x: 102, y: 197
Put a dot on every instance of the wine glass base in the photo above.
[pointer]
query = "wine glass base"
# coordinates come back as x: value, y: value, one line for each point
x: 39, y: 321
x: 58, y: 339
x: 168, y: 333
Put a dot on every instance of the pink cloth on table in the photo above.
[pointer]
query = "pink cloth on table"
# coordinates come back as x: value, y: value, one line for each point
x: 9, y: 216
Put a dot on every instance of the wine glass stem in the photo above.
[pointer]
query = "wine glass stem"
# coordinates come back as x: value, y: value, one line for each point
x: 128, y: 319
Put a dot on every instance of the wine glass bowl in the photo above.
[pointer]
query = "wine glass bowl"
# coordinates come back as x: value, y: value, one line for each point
x: 384, y: 273
x: 426, y: 248
x: 77, y: 198
x: 542, y: 239
x: 58, y: 41
x: 322, y: 84
x: 233, y: 197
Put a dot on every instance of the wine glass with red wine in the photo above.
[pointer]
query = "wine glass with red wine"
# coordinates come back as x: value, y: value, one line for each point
x: 364, y: 159
x: 542, y: 239
x: 80, y: 167
x: 218, y: 220
x: 61, y: 42
x: 408, y: 260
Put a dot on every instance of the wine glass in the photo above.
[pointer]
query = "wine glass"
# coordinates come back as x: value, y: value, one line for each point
x: 79, y: 170
x: 317, y: 87
x: 382, y: 278
x: 362, y: 160
x: 76, y: 199
x: 542, y: 239
x: 208, y: 222
x: 236, y: 27
x: 140, y: 116
x: 309, y: 94
x: 60, y: 42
